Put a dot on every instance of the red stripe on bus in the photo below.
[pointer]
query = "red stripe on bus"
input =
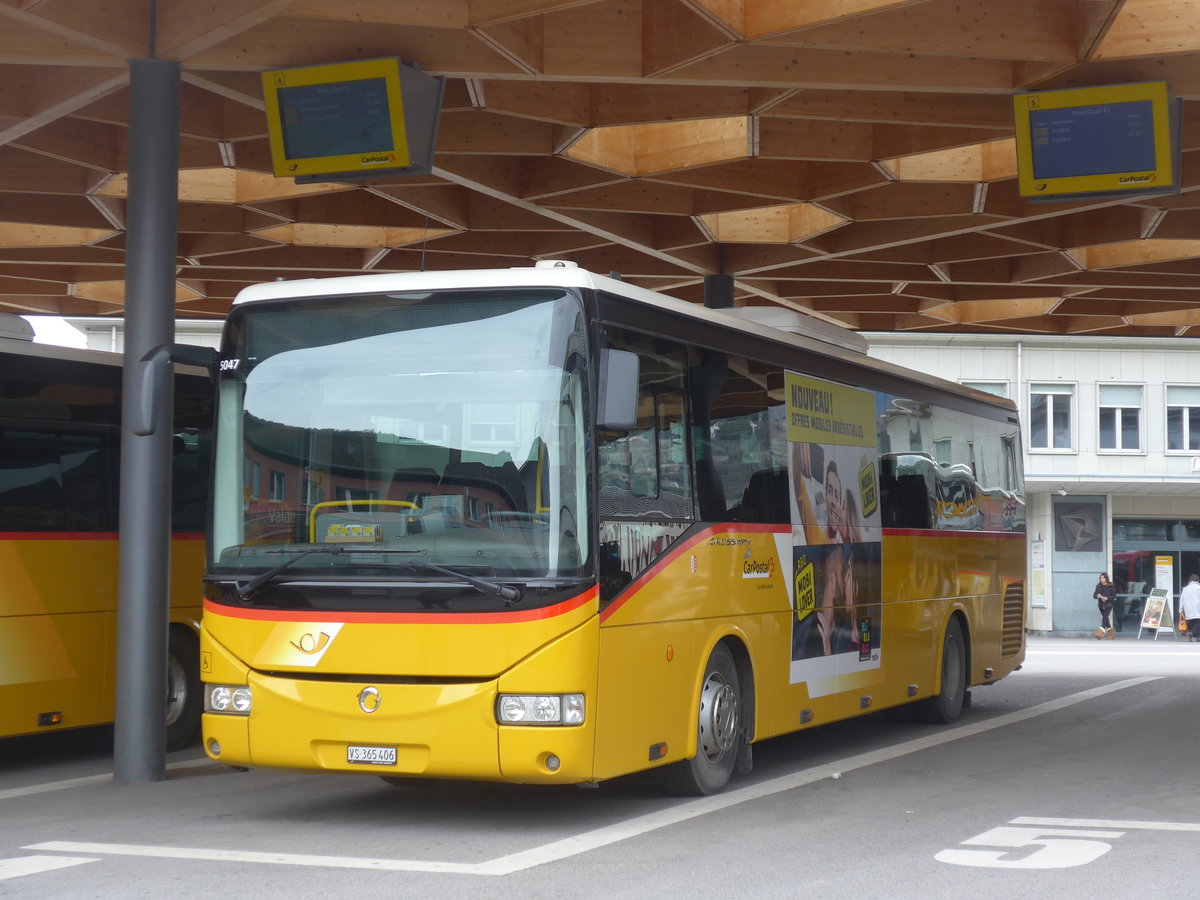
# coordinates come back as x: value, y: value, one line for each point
x: 85, y: 536
x: 707, y: 533
x: 679, y: 549
x: 287, y: 615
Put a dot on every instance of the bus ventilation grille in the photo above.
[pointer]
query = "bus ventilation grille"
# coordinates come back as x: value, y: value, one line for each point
x: 1014, y: 619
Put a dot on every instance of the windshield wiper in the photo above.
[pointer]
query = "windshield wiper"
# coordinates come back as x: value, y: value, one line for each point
x: 505, y: 592
x: 255, y: 584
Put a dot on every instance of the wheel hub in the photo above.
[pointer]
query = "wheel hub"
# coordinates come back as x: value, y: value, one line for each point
x: 176, y: 690
x: 718, y: 717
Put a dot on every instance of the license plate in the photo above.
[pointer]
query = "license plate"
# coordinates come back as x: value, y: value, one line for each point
x: 371, y: 756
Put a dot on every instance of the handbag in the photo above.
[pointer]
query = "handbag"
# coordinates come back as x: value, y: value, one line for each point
x: 1183, y: 625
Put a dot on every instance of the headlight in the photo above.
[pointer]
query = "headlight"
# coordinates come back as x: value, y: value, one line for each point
x: 540, y: 709
x: 232, y: 699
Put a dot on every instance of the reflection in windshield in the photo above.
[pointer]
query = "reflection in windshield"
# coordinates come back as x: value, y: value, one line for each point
x: 452, y: 429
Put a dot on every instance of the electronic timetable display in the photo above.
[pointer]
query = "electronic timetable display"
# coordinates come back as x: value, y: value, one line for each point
x: 351, y: 120
x: 346, y: 117
x: 1118, y: 139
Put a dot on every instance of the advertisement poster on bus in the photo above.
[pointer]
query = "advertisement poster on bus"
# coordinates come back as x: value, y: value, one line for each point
x: 836, y: 538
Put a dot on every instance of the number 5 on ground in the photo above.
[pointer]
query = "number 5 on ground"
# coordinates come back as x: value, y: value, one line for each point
x: 1054, y: 848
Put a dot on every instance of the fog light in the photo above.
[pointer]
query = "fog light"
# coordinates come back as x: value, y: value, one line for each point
x: 552, y: 763
x: 214, y: 748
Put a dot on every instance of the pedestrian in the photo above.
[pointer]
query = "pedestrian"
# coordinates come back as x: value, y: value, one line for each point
x: 1106, y: 599
x: 1189, y: 606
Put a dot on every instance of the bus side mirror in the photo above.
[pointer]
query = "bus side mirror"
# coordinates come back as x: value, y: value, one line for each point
x: 618, y: 393
x: 151, y: 379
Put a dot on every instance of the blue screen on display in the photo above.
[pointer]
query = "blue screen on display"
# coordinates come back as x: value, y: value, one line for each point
x: 335, y: 119
x: 1104, y: 139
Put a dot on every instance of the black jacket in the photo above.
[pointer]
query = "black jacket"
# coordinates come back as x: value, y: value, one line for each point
x: 1106, y: 596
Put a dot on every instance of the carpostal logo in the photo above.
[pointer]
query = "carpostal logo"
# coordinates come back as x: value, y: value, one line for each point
x: 378, y: 159
x: 1148, y: 178
x: 757, y: 568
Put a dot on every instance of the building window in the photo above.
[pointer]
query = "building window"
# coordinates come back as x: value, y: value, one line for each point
x: 1183, y: 418
x: 943, y: 451
x: 1050, y: 416
x: 251, y: 479
x: 493, y: 425
x: 1120, y: 416
x: 278, y: 485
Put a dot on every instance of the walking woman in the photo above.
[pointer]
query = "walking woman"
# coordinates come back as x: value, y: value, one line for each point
x: 1106, y: 599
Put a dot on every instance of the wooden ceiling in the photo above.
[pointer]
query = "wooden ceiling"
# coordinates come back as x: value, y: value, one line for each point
x: 849, y: 158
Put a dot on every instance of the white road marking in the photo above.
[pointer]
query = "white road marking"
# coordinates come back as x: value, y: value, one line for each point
x: 1054, y: 848
x: 611, y: 834
x: 1058, y: 843
x: 285, y: 859
x: 32, y: 865
x: 1107, y: 823
x: 103, y: 778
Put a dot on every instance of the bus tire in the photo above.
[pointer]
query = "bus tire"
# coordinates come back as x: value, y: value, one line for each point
x: 720, y: 731
x: 944, y: 707
x: 183, y: 688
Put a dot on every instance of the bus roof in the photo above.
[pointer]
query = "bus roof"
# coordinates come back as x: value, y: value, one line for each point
x: 814, y: 335
x: 545, y: 273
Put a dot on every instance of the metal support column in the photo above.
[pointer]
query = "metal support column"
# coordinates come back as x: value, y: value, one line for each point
x: 140, y: 740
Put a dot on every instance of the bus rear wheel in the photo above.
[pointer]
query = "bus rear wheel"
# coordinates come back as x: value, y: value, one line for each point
x: 944, y: 707
x: 719, y: 731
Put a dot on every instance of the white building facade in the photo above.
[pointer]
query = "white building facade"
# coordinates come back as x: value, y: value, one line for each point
x: 1111, y: 455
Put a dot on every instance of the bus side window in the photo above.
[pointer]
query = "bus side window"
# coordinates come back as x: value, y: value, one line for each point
x: 646, y: 472
x: 90, y: 475
x: 741, y: 440
x: 189, y: 480
x: 905, y: 494
x: 31, y: 491
x: 191, y: 455
x: 58, y: 454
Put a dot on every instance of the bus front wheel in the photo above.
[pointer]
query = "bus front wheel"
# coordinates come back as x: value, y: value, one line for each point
x: 943, y: 708
x: 183, y: 688
x: 719, y: 731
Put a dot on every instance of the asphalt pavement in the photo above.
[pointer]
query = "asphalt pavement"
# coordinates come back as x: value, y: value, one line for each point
x: 1074, y: 775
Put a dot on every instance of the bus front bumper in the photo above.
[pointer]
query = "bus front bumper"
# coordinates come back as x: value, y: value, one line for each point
x: 388, y: 729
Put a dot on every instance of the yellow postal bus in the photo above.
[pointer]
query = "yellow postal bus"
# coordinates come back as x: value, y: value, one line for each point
x: 60, y: 413
x: 542, y: 526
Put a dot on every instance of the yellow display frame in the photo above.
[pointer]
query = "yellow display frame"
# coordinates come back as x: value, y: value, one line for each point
x: 275, y: 80
x: 1162, y: 177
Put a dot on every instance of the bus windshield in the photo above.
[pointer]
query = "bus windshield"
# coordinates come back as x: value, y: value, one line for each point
x: 400, y: 435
